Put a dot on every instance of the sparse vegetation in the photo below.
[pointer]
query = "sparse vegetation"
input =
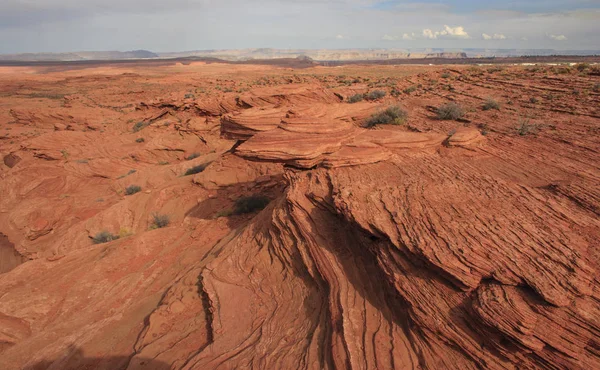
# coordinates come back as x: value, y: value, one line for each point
x: 139, y: 140
x: 196, y: 169
x: 450, y: 111
x: 224, y: 213
x: 132, y: 189
x: 192, y: 156
x: 250, y: 204
x: 159, y: 221
x: 104, y: 237
x: 355, y: 98
x: 410, y: 89
x: 596, y: 87
x: 525, y: 127
x: 533, y: 100
x: 393, y: 115
x: 491, y: 104
x: 140, y: 126
x: 446, y: 75
x: 375, y: 95
x: 582, y: 66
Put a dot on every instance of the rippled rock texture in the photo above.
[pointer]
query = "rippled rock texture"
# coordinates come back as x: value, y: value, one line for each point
x: 433, y: 244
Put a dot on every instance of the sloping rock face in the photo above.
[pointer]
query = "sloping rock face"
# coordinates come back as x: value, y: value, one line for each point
x: 427, y: 245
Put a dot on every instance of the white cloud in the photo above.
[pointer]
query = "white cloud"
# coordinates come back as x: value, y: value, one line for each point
x: 389, y: 38
x: 340, y: 37
x: 496, y: 36
x: 407, y: 36
x: 429, y: 34
x: 558, y: 37
x: 448, y: 32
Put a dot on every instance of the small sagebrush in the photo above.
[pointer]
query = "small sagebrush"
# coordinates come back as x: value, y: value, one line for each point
x: 355, y: 98
x: 132, y: 189
x: 250, y: 204
x: 196, y: 169
x: 410, y: 89
x: 140, y: 126
x: 450, y: 111
x: 375, y: 95
x: 525, y: 127
x: 159, y: 221
x: 491, y: 104
x: 104, y: 237
x: 393, y: 115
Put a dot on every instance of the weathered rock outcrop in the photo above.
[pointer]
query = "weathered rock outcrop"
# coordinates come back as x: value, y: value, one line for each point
x: 425, y: 245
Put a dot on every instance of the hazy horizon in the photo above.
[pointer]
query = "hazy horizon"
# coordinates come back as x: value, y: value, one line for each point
x: 186, y: 25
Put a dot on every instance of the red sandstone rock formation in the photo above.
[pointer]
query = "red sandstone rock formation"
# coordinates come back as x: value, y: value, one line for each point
x: 429, y: 245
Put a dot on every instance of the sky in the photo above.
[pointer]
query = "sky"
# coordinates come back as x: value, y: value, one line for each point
x: 180, y: 25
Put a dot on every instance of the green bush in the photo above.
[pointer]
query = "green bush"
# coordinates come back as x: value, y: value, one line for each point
x: 104, y: 237
x: 355, y: 98
x: 410, y: 89
x: 159, y: 221
x: 491, y: 104
x: 139, y: 140
x: 450, y: 111
x: 525, y: 127
x: 375, y: 95
x: 140, y: 126
x: 250, y: 204
x: 446, y: 75
x: 132, y: 189
x: 393, y: 115
x: 196, y: 169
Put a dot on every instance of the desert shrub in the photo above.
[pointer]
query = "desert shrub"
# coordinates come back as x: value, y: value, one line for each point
x: 582, y: 66
x: 446, y: 75
x: 189, y: 96
x: 395, y: 92
x: 139, y: 140
x: 104, y: 237
x: 375, y: 94
x: 491, y: 104
x: 192, y: 156
x: 576, y: 91
x: 393, y: 115
x: 525, y: 127
x: 196, y: 169
x: 355, y: 98
x: 533, y: 100
x: 450, y: 111
x: 140, y: 126
x: 410, y: 89
x: 594, y: 70
x: 250, y: 204
x: 159, y: 221
x: 485, y: 129
x: 132, y: 189
x: 596, y: 87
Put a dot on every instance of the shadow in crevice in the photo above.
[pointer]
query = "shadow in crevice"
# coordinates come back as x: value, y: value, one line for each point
x: 77, y: 360
x: 9, y: 257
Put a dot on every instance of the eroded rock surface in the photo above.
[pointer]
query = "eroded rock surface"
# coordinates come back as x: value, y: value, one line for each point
x: 427, y: 245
